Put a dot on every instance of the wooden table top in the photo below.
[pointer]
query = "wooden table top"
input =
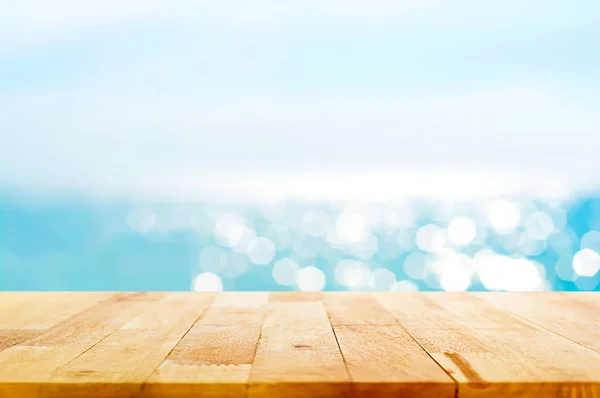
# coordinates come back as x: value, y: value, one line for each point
x: 299, y: 344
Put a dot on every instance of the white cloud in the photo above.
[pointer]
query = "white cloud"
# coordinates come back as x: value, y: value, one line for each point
x: 26, y: 22
x: 64, y: 13
x: 171, y: 145
x: 34, y: 22
x: 31, y: 22
x: 115, y: 129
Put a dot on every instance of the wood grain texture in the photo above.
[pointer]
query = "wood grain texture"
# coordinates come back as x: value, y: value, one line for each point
x: 275, y: 297
x: 356, y: 309
x: 298, y: 354
x: 499, y: 354
x: 28, y: 365
x: 9, y: 338
x: 27, y: 315
x: 556, y: 312
x: 84, y: 354
x: 45, y: 310
x: 127, y: 357
x: 94, y: 323
x: 215, y: 357
x: 151, y: 345
x: 385, y: 360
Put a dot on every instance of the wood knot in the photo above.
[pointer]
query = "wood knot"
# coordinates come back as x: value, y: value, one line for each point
x: 83, y: 372
x: 302, y: 346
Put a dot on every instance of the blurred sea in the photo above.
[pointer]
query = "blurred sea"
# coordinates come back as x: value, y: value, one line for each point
x: 510, y: 243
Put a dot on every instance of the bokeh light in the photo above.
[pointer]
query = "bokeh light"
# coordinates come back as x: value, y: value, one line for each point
x: 415, y: 265
x: 236, y: 265
x: 591, y: 240
x: 352, y: 224
x: 498, y: 245
x: 564, y: 269
x: 316, y: 222
x: 261, y: 250
x: 430, y: 238
x: 455, y: 271
x: 502, y: 244
x: 307, y: 246
x: 461, y: 231
x: 498, y: 272
x: 285, y: 272
x: 382, y: 280
x: 563, y: 242
x: 404, y: 286
x: 353, y: 274
x: 539, y: 226
x: 586, y: 262
x: 310, y: 279
x: 207, y: 282
x: 504, y: 216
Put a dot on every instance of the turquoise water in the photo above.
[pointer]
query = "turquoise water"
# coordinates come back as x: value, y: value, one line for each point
x: 82, y: 244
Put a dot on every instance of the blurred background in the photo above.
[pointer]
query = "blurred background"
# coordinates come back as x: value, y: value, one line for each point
x: 315, y: 145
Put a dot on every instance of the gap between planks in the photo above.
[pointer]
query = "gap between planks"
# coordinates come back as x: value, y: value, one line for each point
x: 360, y: 312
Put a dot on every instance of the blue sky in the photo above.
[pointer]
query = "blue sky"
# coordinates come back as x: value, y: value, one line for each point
x: 123, y: 96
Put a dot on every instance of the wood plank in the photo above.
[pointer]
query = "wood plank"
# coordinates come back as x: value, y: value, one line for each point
x: 514, y: 362
x: 275, y: 297
x: 198, y: 381
x: 217, y: 345
x: 500, y: 357
x: 172, y: 309
x: 27, y: 368
x: 386, y: 361
x: 241, y: 299
x: 243, y: 309
x: 12, y: 301
x: 298, y: 354
x: 241, y: 317
x: 121, y: 363
x: 52, y: 309
x: 214, y: 358
x: 93, y: 324
x: 23, y: 319
x: 589, y: 297
x: 9, y: 338
x: 556, y: 312
x: 445, y: 310
x: 356, y: 309
x: 261, y: 344
x: 19, y: 310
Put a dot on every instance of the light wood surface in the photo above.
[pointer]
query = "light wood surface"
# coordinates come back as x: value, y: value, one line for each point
x: 299, y: 344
